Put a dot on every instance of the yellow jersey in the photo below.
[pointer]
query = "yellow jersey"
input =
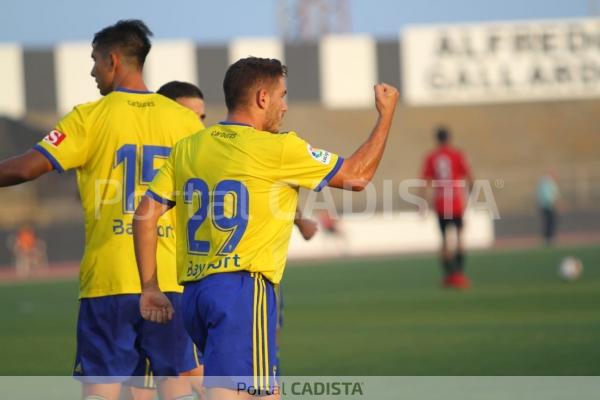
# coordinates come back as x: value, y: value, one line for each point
x: 117, y: 144
x: 235, y: 189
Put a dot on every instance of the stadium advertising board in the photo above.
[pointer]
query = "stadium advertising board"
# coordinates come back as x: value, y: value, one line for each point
x: 502, y: 61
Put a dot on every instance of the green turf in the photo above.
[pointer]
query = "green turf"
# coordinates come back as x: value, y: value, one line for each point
x: 37, y: 332
x: 383, y: 317
x: 390, y: 317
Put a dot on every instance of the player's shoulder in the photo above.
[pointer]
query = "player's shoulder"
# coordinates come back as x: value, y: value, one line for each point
x: 289, y: 136
x: 186, y: 141
x: 168, y: 103
x: 457, y: 152
x: 226, y: 130
x: 171, y: 106
x: 432, y: 154
x: 112, y: 100
x: 194, y: 139
x: 88, y: 107
x: 284, y: 141
x: 82, y: 114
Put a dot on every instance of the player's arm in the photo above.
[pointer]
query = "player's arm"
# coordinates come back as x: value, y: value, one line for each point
x: 307, y: 227
x: 154, y: 305
x: 466, y: 170
x: 358, y: 170
x: 469, y: 179
x: 25, y: 167
x: 426, y: 184
x: 424, y: 192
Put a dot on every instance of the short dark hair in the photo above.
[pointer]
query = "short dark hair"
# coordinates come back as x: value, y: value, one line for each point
x: 442, y: 135
x: 245, y: 73
x: 176, y: 89
x: 130, y: 36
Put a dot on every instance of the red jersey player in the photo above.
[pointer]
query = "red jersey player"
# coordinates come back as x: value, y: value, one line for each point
x: 447, y: 172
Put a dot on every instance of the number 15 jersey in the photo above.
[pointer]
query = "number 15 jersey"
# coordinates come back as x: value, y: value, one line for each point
x: 117, y: 144
x: 235, y: 189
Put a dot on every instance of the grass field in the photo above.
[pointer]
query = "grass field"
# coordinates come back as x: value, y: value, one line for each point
x: 381, y: 317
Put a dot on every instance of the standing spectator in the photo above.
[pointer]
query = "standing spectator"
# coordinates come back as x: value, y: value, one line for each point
x: 29, y: 251
x: 548, y: 197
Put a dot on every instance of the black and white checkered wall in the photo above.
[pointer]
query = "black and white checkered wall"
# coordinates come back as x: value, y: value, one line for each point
x: 338, y: 71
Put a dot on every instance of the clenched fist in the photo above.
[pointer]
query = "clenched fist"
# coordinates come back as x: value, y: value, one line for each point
x: 386, y: 97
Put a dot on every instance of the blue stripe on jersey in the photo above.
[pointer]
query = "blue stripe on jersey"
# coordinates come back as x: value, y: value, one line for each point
x: 330, y: 175
x: 160, y: 199
x: 50, y: 158
x: 233, y: 123
x: 122, y: 89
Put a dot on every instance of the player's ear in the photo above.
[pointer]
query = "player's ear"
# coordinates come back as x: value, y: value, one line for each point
x: 114, y: 59
x: 262, y: 98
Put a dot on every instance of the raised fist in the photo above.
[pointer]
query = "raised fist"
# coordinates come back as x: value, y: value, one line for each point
x: 386, y: 98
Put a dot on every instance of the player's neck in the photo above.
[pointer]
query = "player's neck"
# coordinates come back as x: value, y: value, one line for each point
x: 243, y: 118
x: 131, y: 81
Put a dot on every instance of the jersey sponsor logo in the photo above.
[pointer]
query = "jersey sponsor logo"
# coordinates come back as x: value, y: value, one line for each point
x: 322, y: 156
x: 54, y: 138
x: 140, y: 104
x: 195, y: 270
x: 224, y: 135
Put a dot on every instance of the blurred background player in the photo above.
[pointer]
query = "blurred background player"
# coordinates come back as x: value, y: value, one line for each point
x: 446, y: 171
x: 335, y: 239
x: 28, y: 249
x: 548, y: 201
x: 306, y: 226
x: 114, y: 142
x: 186, y: 94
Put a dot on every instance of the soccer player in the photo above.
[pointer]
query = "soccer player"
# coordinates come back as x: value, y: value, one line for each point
x: 190, y: 96
x: 116, y: 144
x: 446, y: 170
x: 186, y: 94
x: 235, y: 185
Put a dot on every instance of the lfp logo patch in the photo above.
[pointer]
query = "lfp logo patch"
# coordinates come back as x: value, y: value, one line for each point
x: 54, y: 138
x: 322, y: 156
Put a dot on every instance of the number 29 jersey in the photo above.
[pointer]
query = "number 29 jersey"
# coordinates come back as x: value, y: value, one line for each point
x: 235, y: 189
x: 117, y: 144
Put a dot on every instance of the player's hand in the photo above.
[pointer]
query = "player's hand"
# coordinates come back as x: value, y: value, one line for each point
x: 386, y: 98
x: 307, y: 228
x: 155, y: 306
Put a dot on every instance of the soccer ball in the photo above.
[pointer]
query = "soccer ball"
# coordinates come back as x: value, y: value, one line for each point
x: 570, y: 269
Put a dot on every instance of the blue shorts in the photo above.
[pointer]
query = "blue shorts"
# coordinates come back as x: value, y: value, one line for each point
x: 279, y: 299
x: 144, y: 377
x: 114, y: 342
x: 232, y: 318
x: 280, y: 304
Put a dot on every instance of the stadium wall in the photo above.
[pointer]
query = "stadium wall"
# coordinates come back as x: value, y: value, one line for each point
x: 477, y: 63
x: 393, y: 233
x: 510, y: 141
